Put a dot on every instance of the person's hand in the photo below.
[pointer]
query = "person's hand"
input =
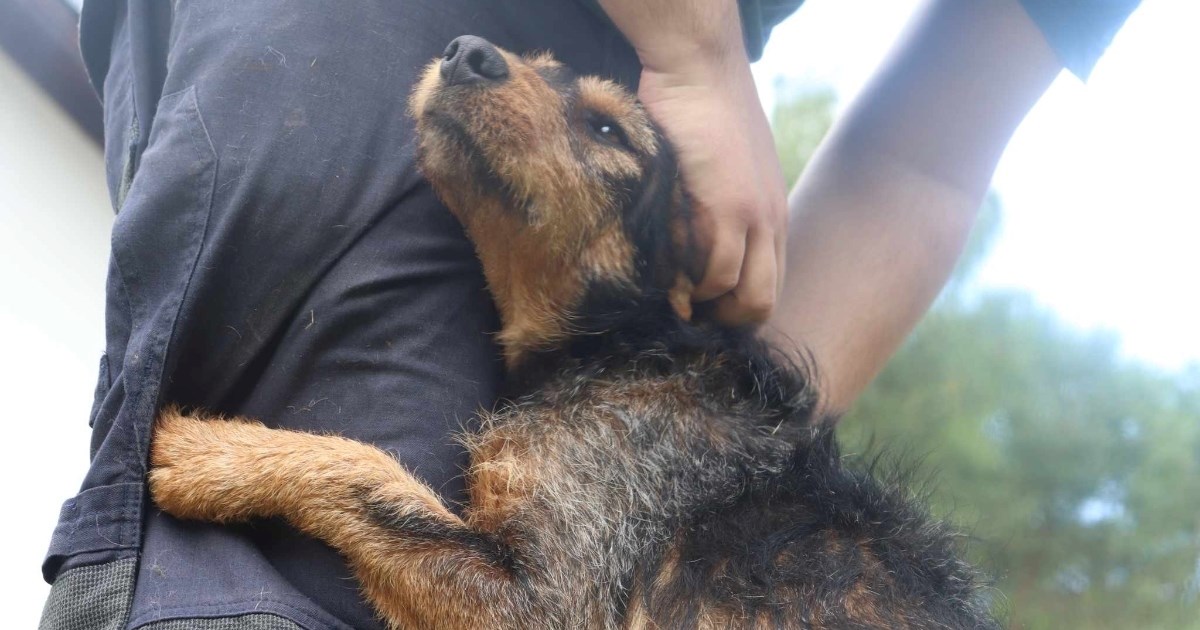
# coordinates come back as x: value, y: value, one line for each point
x: 729, y: 166
x: 696, y: 85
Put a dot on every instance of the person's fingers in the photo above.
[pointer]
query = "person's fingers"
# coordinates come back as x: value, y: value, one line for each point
x: 753, y: 299
x: 723, y: 271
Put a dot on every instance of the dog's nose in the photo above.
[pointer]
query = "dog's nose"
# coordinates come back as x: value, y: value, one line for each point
x: 469, y: 59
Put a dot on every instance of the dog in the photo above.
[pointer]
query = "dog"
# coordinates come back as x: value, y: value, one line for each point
x: 648, y: 471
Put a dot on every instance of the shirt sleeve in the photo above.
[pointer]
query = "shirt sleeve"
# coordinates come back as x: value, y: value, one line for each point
x: 1079, y: 30
x: 759, y: 17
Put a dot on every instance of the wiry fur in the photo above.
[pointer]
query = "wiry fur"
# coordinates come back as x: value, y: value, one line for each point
x: 647, y: 472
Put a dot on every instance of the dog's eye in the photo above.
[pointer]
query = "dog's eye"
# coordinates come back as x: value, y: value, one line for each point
x: 608, y: 131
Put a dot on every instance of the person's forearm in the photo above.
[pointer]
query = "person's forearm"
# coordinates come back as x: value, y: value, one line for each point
x: 670, y: 35
x: 881, y: 214
x: 870, y: 245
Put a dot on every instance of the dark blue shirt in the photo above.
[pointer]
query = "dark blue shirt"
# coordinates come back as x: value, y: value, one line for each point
x: 1079, y: 30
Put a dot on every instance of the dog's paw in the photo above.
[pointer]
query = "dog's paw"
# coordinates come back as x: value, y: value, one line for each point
x: 204, y: 469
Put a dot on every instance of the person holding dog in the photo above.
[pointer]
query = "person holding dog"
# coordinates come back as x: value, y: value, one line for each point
x: 277, y: 255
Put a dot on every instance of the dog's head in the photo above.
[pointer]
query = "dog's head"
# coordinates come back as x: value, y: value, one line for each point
x: 564, y: 184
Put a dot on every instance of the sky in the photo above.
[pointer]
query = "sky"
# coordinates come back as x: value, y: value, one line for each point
x: 1098, y: 185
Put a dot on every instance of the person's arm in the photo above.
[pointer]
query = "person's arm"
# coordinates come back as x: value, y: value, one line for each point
x: 697, y: 86
x: 882, y: 212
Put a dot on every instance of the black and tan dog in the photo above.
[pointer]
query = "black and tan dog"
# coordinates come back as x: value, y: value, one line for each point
x: 650, y: 472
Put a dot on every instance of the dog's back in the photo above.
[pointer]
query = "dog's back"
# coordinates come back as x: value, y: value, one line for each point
x: 677, y: 478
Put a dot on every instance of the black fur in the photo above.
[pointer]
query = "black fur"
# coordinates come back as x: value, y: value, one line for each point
x: 786, y: 531
x: 418, y: 527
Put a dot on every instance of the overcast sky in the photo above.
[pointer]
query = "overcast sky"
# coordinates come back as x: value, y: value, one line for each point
x: 1099, y: 185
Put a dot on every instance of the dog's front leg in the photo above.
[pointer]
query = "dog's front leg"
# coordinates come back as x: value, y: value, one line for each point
x: 419, y: 564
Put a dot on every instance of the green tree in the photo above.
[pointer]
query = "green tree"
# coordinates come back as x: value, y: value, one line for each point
x: 800, y: 120
x: 1077, y: 471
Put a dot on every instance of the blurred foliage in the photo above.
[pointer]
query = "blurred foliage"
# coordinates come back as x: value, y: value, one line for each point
x: 1076, y: 471
x: 799, y: 121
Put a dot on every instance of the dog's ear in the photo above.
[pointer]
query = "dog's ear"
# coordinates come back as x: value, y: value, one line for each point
x: 680, y: 296
x: 686, y: 264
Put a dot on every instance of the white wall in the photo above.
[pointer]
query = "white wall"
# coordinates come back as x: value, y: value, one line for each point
x: 54, y: 225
